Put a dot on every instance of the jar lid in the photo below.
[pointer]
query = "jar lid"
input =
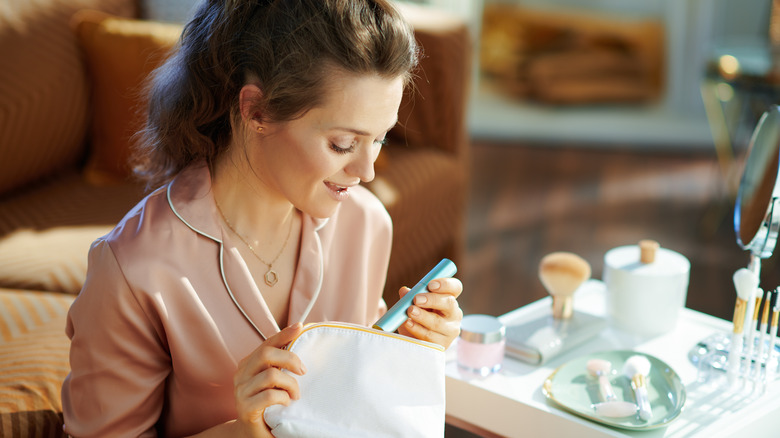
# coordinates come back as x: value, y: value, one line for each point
x: 629, y: 258
x: 482, y: 329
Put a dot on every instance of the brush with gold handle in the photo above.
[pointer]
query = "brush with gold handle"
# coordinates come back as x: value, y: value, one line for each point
x: 745, y: 282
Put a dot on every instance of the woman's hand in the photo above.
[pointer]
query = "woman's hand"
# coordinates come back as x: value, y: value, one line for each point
x: 259, y: 381
x: 435, y: 315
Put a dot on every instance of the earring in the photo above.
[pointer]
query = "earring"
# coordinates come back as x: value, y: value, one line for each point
x: 259, y: 128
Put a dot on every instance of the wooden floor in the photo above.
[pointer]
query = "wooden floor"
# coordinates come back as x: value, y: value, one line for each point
x: 529, y: 200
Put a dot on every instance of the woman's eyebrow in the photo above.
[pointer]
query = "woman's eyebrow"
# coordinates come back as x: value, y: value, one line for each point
x: 363, y: 133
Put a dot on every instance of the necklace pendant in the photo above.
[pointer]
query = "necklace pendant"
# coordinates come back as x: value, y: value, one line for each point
x: 271, y: 278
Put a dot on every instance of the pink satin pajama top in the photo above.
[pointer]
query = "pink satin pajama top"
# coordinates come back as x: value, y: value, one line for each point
x: 156, y: 336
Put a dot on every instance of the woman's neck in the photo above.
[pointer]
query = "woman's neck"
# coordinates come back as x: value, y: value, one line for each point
x: 269, y: 226
x: 249, y: 207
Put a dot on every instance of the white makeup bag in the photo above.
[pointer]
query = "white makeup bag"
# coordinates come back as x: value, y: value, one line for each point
x: 363, y: 382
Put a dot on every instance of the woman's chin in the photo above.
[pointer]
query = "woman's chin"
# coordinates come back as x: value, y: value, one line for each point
x: 322, y: 211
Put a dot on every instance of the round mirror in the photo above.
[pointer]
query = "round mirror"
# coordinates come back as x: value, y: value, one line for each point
x: 757, y: 210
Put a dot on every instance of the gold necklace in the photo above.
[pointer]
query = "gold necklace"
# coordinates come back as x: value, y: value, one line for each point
x: 271, y: 277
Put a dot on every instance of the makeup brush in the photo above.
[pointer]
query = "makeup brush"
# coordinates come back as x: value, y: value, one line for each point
x: 600, y: 369
x: 637, y: 368
x: 561, y: 274
x: 771, y: 361
x: 745, y: 283
x: 771, y: 364
x: 763, y: 328
x: 750, y: 329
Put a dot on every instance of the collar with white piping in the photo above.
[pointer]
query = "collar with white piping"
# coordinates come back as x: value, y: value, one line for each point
x: 191, y: 199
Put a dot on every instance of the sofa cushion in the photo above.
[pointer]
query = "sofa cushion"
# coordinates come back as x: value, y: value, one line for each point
x: 120, y: 54
x: 44, y: 91
x: 34, y: 360
x: 433, y: 112
x: 46, y: 230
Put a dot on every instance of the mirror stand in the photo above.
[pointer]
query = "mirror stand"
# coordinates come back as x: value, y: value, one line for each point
x: 749, y: 354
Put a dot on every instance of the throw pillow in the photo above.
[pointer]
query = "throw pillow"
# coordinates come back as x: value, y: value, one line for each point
x: 44, y: 93
x: 120, y: 53
x: 34, y: 360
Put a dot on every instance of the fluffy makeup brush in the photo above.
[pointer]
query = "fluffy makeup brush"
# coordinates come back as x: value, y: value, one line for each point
x: 745, y: 282
x: 561, y: 274
x: 637, y: 368
x: 600, y: 369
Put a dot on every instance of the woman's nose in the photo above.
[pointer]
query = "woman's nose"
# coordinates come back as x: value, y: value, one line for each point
x: 362, y: 164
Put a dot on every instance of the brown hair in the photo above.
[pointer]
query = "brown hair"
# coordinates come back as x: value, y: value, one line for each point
x: 289, y: 47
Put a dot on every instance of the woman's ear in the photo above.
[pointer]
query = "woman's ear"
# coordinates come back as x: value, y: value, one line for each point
x: 249, y: 97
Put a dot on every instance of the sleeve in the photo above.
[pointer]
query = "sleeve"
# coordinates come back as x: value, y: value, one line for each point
x: 118, y: 360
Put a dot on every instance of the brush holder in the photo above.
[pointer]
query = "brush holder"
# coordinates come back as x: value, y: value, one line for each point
x: 710, y: 356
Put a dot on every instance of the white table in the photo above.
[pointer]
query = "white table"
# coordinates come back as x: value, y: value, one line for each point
x: 511, y: 403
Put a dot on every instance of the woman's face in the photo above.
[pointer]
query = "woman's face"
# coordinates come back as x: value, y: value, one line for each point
x: 313, y: 161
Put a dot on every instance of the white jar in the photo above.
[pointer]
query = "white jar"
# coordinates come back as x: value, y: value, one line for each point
x: 645, y: 293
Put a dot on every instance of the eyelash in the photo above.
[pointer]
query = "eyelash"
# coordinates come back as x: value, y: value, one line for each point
x: 342, y: 150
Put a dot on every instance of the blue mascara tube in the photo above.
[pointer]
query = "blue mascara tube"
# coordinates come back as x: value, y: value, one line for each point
x: 397, y: 314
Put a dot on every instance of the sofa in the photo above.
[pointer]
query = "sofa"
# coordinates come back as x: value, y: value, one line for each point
x: 68, y: 101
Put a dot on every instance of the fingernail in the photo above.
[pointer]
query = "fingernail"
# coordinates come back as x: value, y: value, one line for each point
x: 420, y: 299
x: 303, y: 368
x: 434, y: 285
x: 409, y: 323
x: 415, y: 311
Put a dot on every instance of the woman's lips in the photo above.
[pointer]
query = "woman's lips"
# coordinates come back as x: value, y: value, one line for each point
x: 337, y: 192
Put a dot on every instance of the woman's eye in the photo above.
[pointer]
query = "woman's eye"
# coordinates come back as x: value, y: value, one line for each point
x: 341, y: 149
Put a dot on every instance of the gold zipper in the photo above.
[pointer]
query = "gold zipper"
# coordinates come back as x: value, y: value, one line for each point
x: 361, y: 328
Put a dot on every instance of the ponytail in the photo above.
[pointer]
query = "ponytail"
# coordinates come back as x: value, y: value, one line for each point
x: 288, y: 47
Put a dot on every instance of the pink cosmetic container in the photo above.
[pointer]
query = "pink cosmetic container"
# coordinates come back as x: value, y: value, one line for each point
x: 481, y: 345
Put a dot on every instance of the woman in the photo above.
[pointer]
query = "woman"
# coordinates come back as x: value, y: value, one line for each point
x: 260, y: 129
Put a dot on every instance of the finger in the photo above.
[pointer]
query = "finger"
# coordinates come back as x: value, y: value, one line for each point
x: 271, y: 378
x: 269, y: 357
x: 403, y: 291
x: 276, y: 341
x: 445, y: 321
x: 285, y: 336
x: 441, y: 315
x: 448, y: 286
x: 251, y: 409
x: 445, y: 304
x: 428, y: 319
x: 271, y: 354
x: 418, y: 331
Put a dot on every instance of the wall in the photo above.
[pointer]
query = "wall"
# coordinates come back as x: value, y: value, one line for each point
x: 693, y: 30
